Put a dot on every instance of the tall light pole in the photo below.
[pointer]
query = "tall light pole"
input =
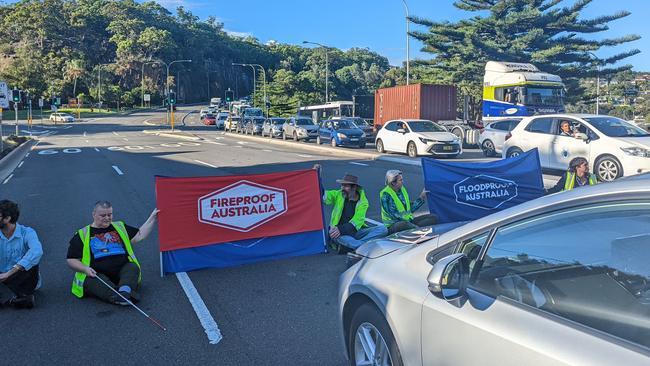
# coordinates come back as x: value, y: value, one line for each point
x: 254, y: 77
x: 264, y: 79
x: 168, y: 65
x: 597, y: 81
x: 327, y: 68
x: 408, y: 71
x: 142, y: 79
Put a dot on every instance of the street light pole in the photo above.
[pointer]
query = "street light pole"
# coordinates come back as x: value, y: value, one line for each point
x: 408, y: 72
x: 327, y: 68
x: 168, y: 65
x: 598, y: 66
x: 264, y: 79
x: 254, y: 78
x: 142, y: 80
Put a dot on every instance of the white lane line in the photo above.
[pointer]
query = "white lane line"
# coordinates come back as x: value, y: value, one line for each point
x: 115, y: 133
x: 21, y: 164
x: 207, y: 321
x: 237, y: 146
x: 117, y: 170
x: 267, y: 150
x: 96, y: 149
x: 214, y: 143
x: 305, y: 156
x: 9, y: 177
x: 125, y: 139
x: 373, y: 221
x: 204, y: 163
x: 86, y: 141
x: 355, y: 163
x: 27, y: 155
x: 85, y: 133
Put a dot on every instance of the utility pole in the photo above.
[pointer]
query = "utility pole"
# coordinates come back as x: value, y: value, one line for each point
x: 327, y: 68
x: 167, y: 82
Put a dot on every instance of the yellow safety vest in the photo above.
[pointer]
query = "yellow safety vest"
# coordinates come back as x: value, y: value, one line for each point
x: 571, y: 181
x: 84, y: 235
x: 405, y: 213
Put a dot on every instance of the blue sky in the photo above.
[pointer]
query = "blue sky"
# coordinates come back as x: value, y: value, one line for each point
x: 380, y: 25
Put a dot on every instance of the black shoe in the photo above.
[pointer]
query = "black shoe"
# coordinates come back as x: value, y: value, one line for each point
x: 135, y: 297
x: 21, y: 302
x: 118, y: 300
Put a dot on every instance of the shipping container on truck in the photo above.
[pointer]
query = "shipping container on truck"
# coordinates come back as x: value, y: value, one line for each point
x: 423, y: 101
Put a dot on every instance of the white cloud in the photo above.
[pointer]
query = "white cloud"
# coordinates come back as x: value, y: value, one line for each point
x: 239, y: 34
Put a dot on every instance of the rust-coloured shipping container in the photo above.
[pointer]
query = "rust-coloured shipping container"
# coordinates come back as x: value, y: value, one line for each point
x: 416, y: 101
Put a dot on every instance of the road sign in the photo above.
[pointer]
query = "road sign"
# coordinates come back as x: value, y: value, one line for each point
x: 147, y: 97
x: 40, y: 102
x: 4, y: 95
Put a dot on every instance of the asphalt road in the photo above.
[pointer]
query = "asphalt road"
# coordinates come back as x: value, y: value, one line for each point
x: 273, y: 313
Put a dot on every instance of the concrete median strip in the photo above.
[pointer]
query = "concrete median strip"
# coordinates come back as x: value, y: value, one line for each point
x: 10, y: 162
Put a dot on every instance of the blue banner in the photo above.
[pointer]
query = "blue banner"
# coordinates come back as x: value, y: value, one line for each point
x: 461, y: 191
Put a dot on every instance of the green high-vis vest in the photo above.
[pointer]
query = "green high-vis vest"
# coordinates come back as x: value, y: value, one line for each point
x: 405, y: 212
x: 571, y: 181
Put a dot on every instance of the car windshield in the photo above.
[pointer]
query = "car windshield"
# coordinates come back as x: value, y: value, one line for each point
x: 343, y: 124
x: 360, y: 122
x: 616, y: 127
x: 278, y: 121
x: 425, y: 126
x: 304, y: 122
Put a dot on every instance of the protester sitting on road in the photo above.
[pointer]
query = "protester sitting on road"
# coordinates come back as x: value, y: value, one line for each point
x: 348, y: 229
x: 565, y: 129
x: 103, y: 249
x: 396, y: 208
x: 577, y: 176
x: 20, y: 254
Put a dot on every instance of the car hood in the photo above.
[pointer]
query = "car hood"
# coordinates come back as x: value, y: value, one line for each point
x: 643, y: 142
x: 350, y: 131
x: 438, y: 136
x: 404, y: 239
x: 309, y: 127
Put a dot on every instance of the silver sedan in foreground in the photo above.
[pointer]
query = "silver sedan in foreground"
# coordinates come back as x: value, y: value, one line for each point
x: 560, y: 280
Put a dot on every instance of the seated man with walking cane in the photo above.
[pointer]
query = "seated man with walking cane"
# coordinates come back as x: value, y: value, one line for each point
x: 102, y: 257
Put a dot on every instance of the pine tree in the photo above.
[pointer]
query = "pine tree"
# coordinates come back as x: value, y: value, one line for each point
x: 543, y: 32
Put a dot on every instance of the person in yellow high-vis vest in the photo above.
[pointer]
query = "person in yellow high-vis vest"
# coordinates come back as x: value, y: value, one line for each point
x: 103, y: 249
x: 578, y: 175
x: 396, y: 208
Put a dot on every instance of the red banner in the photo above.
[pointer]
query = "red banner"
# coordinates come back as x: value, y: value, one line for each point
x: 201, y: 211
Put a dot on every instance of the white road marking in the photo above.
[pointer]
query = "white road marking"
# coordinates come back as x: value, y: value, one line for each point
x: 86, y: 141
x: 21, y: 164
x: 305, y: 156
x: 125, y: 139
x: 214, y: 143
x: 355, y: 163
x: 207, y: 321
x: 27, y: 155
x: 204, y: 163
x: 9, y: 177
x: 242, y: 142
x: 96, y: 149
x: 373, y: 221
x: 117, y: 170
x: 237, y: 146
x: 85, y: 133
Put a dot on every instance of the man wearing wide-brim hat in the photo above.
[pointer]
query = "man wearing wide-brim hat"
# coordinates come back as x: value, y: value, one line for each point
x: 348, y: 227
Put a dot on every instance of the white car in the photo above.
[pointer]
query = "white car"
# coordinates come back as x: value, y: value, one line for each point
x: 61, y: 117
x: 203, y: 112
x: 493, y: 135
x: 613, y: 147
x: 417, y: 137
x: 221, y: 120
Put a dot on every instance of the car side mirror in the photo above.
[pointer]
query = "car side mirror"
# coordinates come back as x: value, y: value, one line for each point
x: 401, y: 130
x: 581, y: 136
x: 449, y: 276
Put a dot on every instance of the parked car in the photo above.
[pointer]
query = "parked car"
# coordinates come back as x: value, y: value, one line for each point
x: 299, y: 128
x: 493, y: 135
x: 61, y: 117
x: 613, y: 147
x: 273, y: 127
x: 231, y: 123
x: 221, y: 120
x: 209, y: 119
x: 340, y: 132
x: 560, y: 280
x: 253, y: 125
x: 417, y: 137
x: 364, y: 125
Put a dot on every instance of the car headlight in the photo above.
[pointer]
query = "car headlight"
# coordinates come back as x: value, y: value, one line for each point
x: 302, y: 130
x: 363, y: 135
x: 342, y: 135
x: 425, y: 140
x: 636, y: 151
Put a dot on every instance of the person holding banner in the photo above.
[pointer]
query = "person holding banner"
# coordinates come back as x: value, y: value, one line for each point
x: 396, y: 208
x: 578, y: 175
x: 348, y: 229
x: 103, y: 249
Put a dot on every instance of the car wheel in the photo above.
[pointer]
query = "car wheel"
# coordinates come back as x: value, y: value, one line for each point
x: 333, y: 142
x: 370, y: 341
x: 411, y: 149
x: 318, y: 140
x: 514, y: 152
x: 488, y: 148
x: 379, y: 145
x: 295, y: 136
x: 608, y: 168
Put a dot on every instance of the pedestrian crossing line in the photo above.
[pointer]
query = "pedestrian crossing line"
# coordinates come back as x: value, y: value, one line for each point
x: 117, y: 170
x: 205, y: 318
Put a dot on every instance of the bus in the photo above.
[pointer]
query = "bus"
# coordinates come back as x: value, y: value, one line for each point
x: 327, y: 110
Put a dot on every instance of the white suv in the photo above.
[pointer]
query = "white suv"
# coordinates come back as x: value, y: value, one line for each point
x: 614, y: 147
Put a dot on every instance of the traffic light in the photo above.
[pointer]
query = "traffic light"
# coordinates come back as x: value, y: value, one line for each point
x: 230, y: 95
x: 15, y: 95
x: 172, y: 98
